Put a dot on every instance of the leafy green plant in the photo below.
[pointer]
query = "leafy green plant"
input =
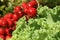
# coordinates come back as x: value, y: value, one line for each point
x: 40, y: 28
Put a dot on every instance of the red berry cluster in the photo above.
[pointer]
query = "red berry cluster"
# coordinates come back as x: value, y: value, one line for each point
x: 8, y: 22
x: 29, y: 9
x: 7, y: 26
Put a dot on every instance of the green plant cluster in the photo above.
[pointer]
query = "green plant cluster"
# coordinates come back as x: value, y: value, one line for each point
x: 45, y: 27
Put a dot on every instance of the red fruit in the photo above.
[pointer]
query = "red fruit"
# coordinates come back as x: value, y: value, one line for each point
x: 0, y: 22
x: 15, y: 17
x: 8, y: 31
x: 32, y: 12
x: 33, y: 0
x: 33, y: 4
x: 20, y: 13
x: 8, y: 36
x: 2, y: 37
x: 1, y: 31
x: 3, y: 23
x: 9, y: 15
x: 16, y: 9
x: 13, y: 27
x: 14, y: 23
x: 10, y: 22
x: 26, y: 11
x: 24, y: 5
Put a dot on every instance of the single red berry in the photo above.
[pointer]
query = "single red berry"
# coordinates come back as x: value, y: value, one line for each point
x: 9, y: 15
x: 3, y: 23
x: 32, y: 12
x: 20, y: 13
x: 1, y: 31
x: 26, y: 11
x: 16, y: 9
x: 15, y: 17
x: 10, y: 22
x: 33, y: 4
x: 8, y: 31
x: 24, y: 5
x: 0, y: 22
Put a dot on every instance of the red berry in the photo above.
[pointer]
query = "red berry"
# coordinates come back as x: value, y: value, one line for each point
x: 2, y: 37
x: 33, y: 4
x: 1, y: 31
x: 16, y: 9
x: 13, y: 27
x: 9, y: 15
x: 15, y: 23
x: 26, y: 11
x: 0, y: 22
x: 33, y: 0
x: 8, y: 31
x: 3, y: 22
x: 15, y: 17
x: 20, y: 13
x: 32, y: 12
x: 10, y: 22
x: 24, y: 5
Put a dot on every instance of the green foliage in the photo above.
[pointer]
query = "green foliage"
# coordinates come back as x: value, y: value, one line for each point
x: 40, y: 28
